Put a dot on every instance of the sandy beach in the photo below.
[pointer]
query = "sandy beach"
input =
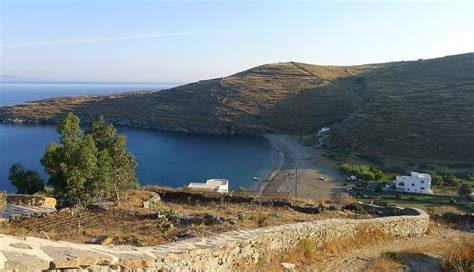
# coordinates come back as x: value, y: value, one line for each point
x: 311, y: 167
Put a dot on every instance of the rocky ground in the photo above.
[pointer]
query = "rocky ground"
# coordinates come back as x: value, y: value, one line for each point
x: 132, y: 224
x: 417, y: 253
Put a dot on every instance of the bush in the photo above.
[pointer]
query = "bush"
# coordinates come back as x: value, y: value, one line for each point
x: 241, y: 216
x: 344, y: 198
x: 171, y: 214
x: 26, y: 181
x: 392, y: 255
x: 164, y: 222
x: 451, y: 180
x: 363, y: 172
x: 262, y: 220
x: 307, y: 247
x: 464, y: 189
x: 241, y: 190
x: 164, y: 225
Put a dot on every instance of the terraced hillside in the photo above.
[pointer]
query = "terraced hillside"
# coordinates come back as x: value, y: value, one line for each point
x: 418, y: 109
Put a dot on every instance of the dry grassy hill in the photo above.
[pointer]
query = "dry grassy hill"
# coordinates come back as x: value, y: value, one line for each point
x: 416, y: 109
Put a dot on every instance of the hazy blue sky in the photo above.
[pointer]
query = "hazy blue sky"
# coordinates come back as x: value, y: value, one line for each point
x: 181, y: 41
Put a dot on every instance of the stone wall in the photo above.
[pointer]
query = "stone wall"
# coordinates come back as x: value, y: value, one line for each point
x: 231, y: 251
x: 31, y: 200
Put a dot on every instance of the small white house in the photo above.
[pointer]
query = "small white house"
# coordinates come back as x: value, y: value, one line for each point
x: 416, y: 183
x: 217, y: 185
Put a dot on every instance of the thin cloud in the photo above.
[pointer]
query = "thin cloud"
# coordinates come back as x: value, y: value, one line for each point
x: 98, y: 40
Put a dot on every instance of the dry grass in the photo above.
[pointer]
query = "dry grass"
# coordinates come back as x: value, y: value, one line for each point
x: 459, y: 257
x: 131, y: 224
x: 384, y: 264
x: 307, y: 251
x: 344, y: 198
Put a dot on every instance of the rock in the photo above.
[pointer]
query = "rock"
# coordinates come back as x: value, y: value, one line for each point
x: 23, y: 262
x: 104, y: 240
x: 212, y: 220
x: 20, y: 245
x: 190, y: 220
x: 184, y: 234
x: 288, y: 266
x: 135, y: 262
x: 67, y: 257
x: 153, y: 202
x: 31, y: 200
x: 233, y: 221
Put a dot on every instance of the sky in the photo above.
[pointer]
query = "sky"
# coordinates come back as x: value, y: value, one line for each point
x: 185, y: 41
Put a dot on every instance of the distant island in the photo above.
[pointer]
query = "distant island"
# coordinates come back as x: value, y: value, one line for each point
x: 408, y: 110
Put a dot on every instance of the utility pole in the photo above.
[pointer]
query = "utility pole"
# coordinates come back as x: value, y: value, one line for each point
x: 434, y: 199
x: 296, y: 180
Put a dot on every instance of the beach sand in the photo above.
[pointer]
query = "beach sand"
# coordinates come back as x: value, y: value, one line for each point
x: 311, y: 166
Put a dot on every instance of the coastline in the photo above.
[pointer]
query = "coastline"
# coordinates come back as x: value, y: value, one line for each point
x: 312, y: 166
x: 281, y: 161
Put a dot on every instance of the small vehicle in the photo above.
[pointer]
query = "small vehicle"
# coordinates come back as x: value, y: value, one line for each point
x: 323, y: 178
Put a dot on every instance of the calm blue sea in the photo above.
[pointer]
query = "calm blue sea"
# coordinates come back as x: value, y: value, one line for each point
x: 20, y: 92
x: 164, y: 158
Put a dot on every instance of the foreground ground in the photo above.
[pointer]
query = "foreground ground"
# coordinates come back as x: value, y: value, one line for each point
x: 132, y: 224
x: 436, y: 250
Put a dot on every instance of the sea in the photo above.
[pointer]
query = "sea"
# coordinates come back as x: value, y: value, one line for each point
x: 164, y: 158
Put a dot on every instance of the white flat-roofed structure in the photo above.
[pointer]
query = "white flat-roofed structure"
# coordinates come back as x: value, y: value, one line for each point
x: 416, y: 183
x: 217, y: 185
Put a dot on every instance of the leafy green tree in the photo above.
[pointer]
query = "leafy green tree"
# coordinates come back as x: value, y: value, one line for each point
x: 436, y: 179
x: 120, y: 162
x: 451, y: 180
x: 464, y: 189
x: 26, y: 181
x: 361, y: 171
x: 72, y: 165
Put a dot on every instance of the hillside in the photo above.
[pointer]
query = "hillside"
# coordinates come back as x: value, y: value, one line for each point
x: 421, y: 110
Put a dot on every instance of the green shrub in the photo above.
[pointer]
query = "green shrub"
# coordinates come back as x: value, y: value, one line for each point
x: 393, y: 255
x: 307, y: 247
x: 241, y: 216
x: 171, y: 214
x: 26, y: 181
x: 363, y: 172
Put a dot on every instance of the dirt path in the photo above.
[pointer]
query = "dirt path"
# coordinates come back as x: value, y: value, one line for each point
x: 311, y: 166
x: 419, y: 253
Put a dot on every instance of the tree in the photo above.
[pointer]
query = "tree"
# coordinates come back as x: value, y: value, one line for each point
x: 464, y: 189
x: 436, y: 179
x: 26, y: 181
x: 451, y: 180
x: 72, y: 165
x: 120, y: 162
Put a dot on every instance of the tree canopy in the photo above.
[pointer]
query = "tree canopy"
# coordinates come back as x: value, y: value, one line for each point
x: 26, y: 181
x: 87, y: 165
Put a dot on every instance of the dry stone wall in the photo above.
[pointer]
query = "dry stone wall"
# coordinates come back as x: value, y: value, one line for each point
x: 231, y: 251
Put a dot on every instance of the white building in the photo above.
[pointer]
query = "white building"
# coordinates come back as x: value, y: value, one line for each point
x: 217, y: 185
x: 416, y: 183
